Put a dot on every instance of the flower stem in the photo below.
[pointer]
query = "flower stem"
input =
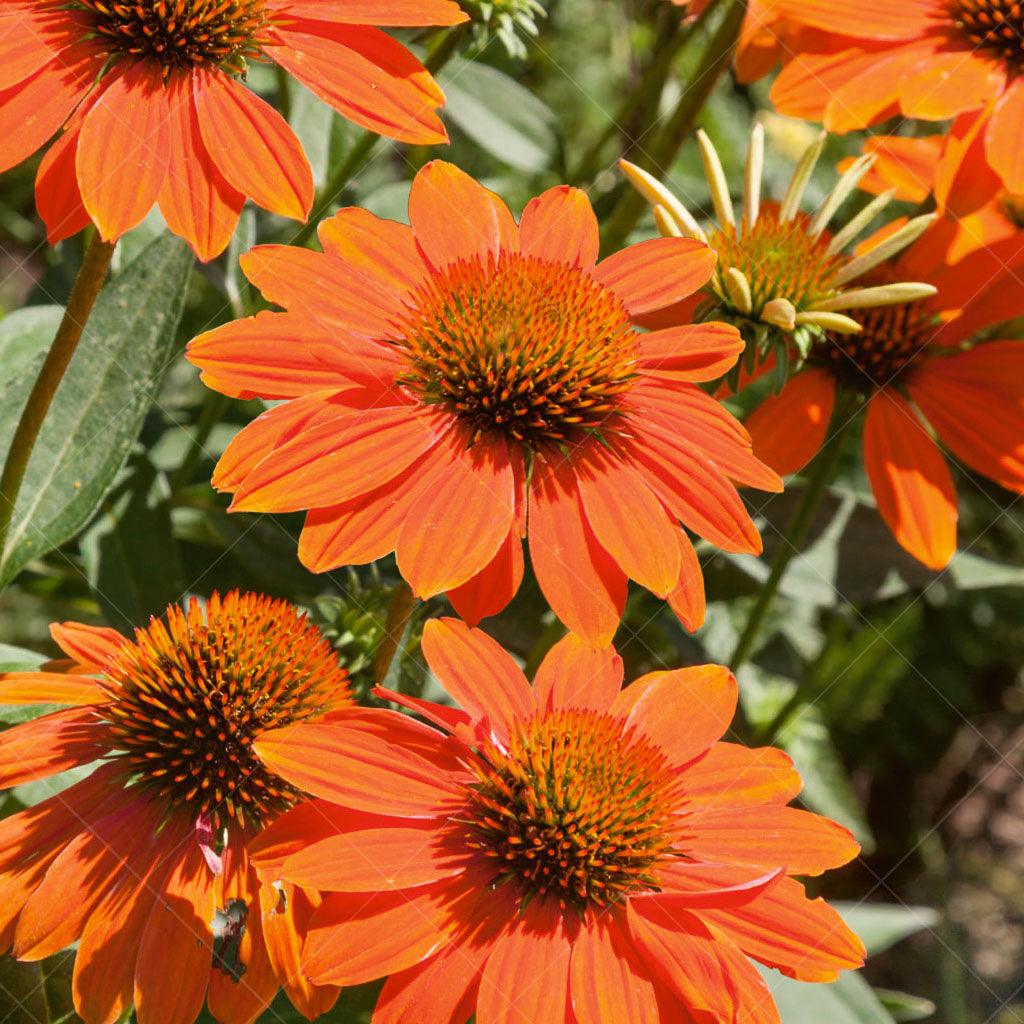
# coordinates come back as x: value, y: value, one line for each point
x: 214, y: 407
x: 444, y: 48
x: 659, y: 157
x: 818, y: 478
x: 88, y: 283
x: 399, y: 609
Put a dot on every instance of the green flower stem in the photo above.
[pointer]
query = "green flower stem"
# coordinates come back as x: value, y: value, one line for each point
x: 215, y: 405
x: 818, y: 478
x: 662, y: 153
x: 399, y: 610
x: 88, y: 283
x: 444, y: 48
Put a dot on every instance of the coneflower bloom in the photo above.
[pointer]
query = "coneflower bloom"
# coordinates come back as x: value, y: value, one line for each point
x: 864, y: 62
x: 925, y: 362
x: 782, y: 277
x: 149, y: 104
x: 144, y: 863
x: 459, y: 383
x: 568, y: 852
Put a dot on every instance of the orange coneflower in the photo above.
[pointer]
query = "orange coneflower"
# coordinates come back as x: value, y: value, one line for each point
x: 145, y: 862
x: 151, y: 100
x: 929, y: 360
x: 459, y: 382
x: 862, y: 61
x: 566, y: 853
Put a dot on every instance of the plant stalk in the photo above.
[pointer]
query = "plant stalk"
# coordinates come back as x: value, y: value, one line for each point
x: 88, y: 283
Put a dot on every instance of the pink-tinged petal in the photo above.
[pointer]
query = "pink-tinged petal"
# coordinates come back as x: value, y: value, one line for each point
x: 89, y: 645
x: 910, y: 480
x: 270, y: 355
x: 766, y: 837
x: 454, y: 530
x: 366, y: 528
x: 788, y: 429
x: 383, y: 250
x: 805, y: 939
x: 490, y: 591
x: 338, y: 460
x: 630, y: 523
x: 560, y: 226
x: 657, y: 273
x: 1004, y: 138
x: 48, y: 745
x: 125, y: 137
x: 574, y: 675
x: 49, y: 688
x: 356, y: 937
x: 691, y: 352
x: 252, y: 145
x: 581, y: 581
x: 33, y: 110
x: 687, y: 600
x: 526, y: 978
x: 479, y: 673
x: 735, y: 776
x: 366, y: 76
x: 685, y: 711
x: 394, y: 13
x: 355, y: 768
x: 401, y: 855
x: 196, y: 201
x: 608, y: 980
x: 58, y: 200
x: 456, y: 218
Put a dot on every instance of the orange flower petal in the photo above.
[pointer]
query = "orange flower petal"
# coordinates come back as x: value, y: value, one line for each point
x: 494, y: 586
x: 456, y: 218
x: 687, y: 599
x: 252, y: 145
x: 395, y: 13
x: 630, y: 523
x: 196, y: 200
x: 653, y: 274
x: 49, y: 688
x: 1004, y: 138
x: 365, y: 75
x: 478, y: 672
x: 125, y: 137
x: 906, y: 164
x: 580, y: 580
x: 951, y: 83
x: 58, y: 200
x: 788, y: 429
x: 574, y: 675
x: 90, y: 645
x: 910, y: 480
x: 607, y: 980
x: 24, y: 46
x: 736, y: 776
x: 559, y: 225
x: 354, y: 768
x: 695, y: 886
x: 454, y: 530
x: 48, y: 745
x: 868, y: 19
x: 705, y: 696
x: 691, y: 352
x: 178, y: 932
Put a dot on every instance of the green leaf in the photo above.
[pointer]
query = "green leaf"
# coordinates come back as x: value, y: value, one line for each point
x: 903, y: 1006
x: 850, y: 1000
x: 25, y: 335
x: 499, y: 115
x: 881, y: 925
x: 19, y: 659
x: 130, y: 554
x: 99, y: 406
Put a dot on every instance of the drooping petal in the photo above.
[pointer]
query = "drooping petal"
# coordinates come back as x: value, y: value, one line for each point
x: 910, y: 480
x: 196, y: 200
x: 687, y: 600
x: 559, y: 225
x: 788, y: 429
x: 125, y: 137
x: 49, y: 688
x: 454, y: 217
x: 685, y: 711
x: 90, y: 645
x: 366, y: 76
x: 1004, y: 138
x: 579, y: 578
x: 574, y: 675
x: 736, y: 776
x: 657, y: 273
x: 252, y: 145
x: 58, y: 199
x: 692, y: 352
x: 48, y: 745
x: 494, y: 586
x: 478, y: 672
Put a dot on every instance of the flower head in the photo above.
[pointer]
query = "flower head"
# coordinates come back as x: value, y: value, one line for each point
x: 930, y: 361
x: 781, y: 276
x: 859, y: 64
x: 463, y: 383
x: 566, y: 852
x: 145, y: 861
x: 153, y: 93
